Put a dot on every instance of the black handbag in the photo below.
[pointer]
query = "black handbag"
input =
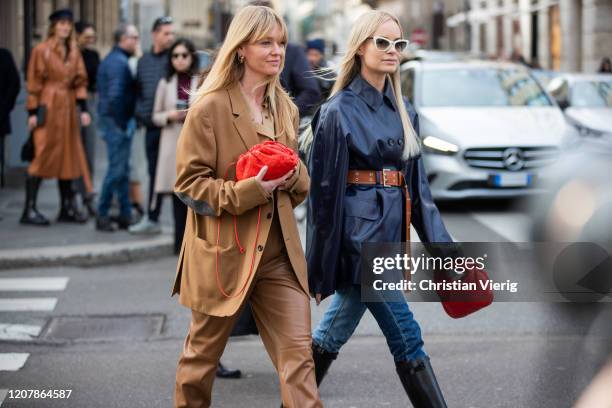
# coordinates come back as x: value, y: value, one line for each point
x: 27, y: 150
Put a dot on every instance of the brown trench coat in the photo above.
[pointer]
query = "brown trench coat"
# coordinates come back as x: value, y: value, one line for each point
x: 57, y: 84
x: 218, y: 128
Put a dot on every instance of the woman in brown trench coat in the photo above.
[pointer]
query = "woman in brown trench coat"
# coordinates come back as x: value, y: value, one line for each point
x: 240, y: 104
x: 56, y: 82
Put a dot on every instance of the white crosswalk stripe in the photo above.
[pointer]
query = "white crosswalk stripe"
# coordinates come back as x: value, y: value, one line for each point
x: 12, y: 306
x: 12, y: 361
x: 19, y: 332
x: 45, y: 304
x: 33, y: 284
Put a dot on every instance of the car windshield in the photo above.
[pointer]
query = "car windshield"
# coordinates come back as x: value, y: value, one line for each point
x: 592, y: 94
x: 481, y: 87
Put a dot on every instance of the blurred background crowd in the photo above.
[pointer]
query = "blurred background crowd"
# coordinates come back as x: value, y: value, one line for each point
x: 502, y: 88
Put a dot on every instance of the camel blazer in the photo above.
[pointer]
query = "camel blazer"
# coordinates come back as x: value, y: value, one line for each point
x: 219, y: 128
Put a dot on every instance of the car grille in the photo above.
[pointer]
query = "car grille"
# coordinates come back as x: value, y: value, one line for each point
x: 511, y: 158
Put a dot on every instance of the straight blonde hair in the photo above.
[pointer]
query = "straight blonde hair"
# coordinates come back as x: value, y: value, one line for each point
x: 251, y: 24
x: 365, y: 26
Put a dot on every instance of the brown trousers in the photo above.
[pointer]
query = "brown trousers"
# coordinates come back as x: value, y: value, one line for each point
x: 282, y: 313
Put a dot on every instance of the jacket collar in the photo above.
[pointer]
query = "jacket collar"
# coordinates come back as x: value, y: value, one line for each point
x: 371, y: 96
x: 122, y: 51
x: 242, y: 118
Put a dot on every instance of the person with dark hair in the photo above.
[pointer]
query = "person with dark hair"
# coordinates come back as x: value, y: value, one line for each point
x: 117, y: 93
x: 9, y: 89
x: 315, y: 53
x: 86, y: 39
x: 151, y: 68
x: 56, y: 83
x: 606, y: 66
x: 172, y: 100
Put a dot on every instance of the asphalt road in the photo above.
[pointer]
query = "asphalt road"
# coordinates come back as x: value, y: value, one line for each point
x: 125, y: 354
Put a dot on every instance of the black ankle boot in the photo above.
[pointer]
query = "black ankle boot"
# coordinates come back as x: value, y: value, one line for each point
x: 89, y: 203
x: 224, y: 372
x: 69, y: 211
x: 30, y: 214
x: 322, y: 360
x: 420, y: 383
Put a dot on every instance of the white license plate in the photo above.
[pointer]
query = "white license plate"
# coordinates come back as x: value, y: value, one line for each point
x: 511, y: 180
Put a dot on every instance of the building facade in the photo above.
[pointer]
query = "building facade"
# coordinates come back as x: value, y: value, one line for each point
x: 561, y: 35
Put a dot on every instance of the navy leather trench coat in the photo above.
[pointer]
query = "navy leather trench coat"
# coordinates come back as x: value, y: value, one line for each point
x: 360, y: 128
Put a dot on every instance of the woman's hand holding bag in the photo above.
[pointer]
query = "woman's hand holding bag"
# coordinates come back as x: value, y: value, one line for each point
x: 272, y: 164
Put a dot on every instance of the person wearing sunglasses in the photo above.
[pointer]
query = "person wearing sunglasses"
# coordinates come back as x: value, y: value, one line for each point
x: 172, y: 99
x: 365, y: 165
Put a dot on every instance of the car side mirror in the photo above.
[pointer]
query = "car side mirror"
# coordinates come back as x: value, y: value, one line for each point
x: 563, y: 103
x: 558, y: 88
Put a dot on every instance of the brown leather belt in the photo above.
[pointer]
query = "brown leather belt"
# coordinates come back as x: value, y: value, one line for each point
x: 385, y: 178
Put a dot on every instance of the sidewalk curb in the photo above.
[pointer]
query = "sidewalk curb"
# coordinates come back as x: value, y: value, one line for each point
x: 88, y: 254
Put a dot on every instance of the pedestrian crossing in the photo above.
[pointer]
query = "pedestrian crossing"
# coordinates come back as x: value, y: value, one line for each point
x: 15, y: 324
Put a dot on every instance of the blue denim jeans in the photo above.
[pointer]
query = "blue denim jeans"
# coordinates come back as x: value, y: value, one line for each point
x: 116, y: 182
x: 395, y: 319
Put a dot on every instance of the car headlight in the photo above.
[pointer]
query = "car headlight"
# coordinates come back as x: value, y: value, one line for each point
x: 436, y: 145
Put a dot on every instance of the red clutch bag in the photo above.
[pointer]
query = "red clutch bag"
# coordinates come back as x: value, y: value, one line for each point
x: 279, y: 158
x: 460, y: 303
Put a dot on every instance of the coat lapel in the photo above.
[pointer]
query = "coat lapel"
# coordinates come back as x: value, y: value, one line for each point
x: 242, y: 119
x: 171, y: 93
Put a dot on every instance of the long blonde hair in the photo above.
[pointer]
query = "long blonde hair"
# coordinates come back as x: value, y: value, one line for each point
x: 250, y: 24
x: 365, y: 26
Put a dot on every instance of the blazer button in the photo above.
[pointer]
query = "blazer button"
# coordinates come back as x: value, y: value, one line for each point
x: 259, y: 248
x: 400, y: 141
x: 269, y: 215
x: 391, y: 142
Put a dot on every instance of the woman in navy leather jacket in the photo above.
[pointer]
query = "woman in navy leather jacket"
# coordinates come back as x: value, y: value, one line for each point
x: 364, y: 128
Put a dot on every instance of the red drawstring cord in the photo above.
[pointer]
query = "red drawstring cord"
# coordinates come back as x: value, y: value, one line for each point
x: 242, y: 250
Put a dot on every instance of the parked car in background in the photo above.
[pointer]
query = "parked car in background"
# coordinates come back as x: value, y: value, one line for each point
x: 544, y: 76
x: 440, y: 56
x: 586, y: 101
x: 488, y: 129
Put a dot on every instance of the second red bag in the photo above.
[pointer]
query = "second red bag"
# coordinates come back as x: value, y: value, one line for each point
x: 460, y: 303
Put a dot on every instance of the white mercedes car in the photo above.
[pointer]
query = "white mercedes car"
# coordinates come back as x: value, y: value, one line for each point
x: 586, y: 100
x: 488, y: 129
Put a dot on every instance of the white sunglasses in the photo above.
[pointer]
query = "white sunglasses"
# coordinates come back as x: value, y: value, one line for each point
x: 384, y: 44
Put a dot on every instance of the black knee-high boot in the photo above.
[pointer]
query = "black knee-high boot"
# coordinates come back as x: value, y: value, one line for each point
x: 420, y: 383
x: 30, y: 214
x: 322, y: 360
x: 69, y: 211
